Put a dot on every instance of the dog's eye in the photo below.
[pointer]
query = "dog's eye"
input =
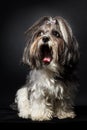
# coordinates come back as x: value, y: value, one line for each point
x: 55, y: 33
x: 40, y: 33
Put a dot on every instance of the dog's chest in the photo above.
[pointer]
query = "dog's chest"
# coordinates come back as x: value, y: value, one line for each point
x: 41, y: 83
x: 54, y: 88
x: 45, y: 84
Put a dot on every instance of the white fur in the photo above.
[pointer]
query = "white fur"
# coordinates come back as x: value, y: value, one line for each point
x: 23, y: 102
x: 39, y: 111
x: 35, y: 107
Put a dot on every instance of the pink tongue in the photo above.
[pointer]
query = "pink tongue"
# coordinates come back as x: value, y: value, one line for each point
x: 47, y: 59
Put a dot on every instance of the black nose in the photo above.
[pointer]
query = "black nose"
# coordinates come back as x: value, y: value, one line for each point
x: 45, y: 39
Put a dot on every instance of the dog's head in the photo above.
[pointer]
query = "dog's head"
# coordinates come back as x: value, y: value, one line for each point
x: 50, y: 44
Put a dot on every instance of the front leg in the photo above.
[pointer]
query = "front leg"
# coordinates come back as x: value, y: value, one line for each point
x: 41, y: 109
x: 40, y: 112
x: 64, y: 110
x: 23, y: 102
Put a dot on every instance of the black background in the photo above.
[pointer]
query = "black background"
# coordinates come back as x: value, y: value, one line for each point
x: 15, y: 18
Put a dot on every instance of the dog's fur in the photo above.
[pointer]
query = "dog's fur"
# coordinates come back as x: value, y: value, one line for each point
x: 52, y: 53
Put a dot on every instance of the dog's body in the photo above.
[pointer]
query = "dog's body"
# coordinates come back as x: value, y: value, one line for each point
x: 52, y: 54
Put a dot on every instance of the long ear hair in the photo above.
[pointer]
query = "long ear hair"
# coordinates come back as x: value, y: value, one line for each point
x: 72, y: 54
x: 29, y: 36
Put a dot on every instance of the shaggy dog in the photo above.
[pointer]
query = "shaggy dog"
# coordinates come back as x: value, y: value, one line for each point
x: 52, y: 54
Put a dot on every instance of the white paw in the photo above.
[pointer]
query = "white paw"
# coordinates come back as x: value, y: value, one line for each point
x: 63, y: 115
x: 24, y: 114
x: 42, y: 115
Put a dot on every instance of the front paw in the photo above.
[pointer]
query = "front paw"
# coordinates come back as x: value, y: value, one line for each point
x: 41, y: 115
x: 63, y: 114
x: 24, y: 114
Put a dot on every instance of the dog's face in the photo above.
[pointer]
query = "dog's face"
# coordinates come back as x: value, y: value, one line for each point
x: 50, y: 43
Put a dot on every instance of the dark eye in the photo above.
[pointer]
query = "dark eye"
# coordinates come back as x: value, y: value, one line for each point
x: 40, y: 33
x: 55, y: 33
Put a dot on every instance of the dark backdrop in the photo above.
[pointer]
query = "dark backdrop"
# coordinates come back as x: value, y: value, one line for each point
x: 15, y: 18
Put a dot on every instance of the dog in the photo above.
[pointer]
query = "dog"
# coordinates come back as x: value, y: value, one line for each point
x: 52, y: 53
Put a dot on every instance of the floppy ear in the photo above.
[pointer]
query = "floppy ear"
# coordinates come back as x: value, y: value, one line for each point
x: 25, y: 58
x: 72, y: 54
x: 65, y: 29
x: 29, y: 37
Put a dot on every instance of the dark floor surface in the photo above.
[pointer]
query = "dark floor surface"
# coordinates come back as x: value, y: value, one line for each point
x: 10, y: 116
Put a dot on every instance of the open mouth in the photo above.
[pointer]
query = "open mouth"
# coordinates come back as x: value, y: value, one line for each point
x: 46, y: 54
